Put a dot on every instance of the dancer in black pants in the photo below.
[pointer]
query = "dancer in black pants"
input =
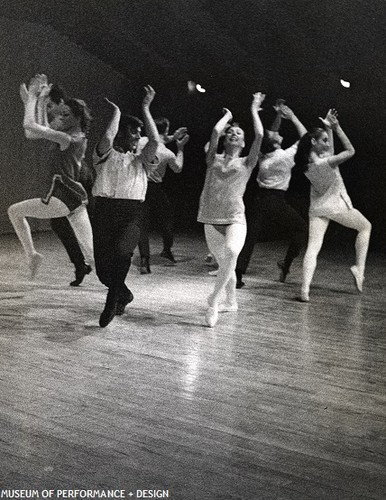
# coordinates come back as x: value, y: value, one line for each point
x: 270, y: 211
x: 157, y: 206
x: 119, y: 190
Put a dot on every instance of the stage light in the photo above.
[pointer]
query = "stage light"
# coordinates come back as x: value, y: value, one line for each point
x: 345, y: 84
x: 191, y: 86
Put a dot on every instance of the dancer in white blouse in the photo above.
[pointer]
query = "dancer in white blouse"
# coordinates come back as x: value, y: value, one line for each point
x: 329, y: 199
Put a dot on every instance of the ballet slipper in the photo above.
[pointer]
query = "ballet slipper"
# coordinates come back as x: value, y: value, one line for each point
x: 123, y: 301
x: 34, y: 264
x: 80, y: 273
x: 304, y: 296
x: 228, y: 307
x: 109, y: 310
x: 358, y: 278
x: 211, y: 316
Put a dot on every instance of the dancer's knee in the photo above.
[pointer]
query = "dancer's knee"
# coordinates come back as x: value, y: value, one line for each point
x: 13, y: 212
x: 230, y: 258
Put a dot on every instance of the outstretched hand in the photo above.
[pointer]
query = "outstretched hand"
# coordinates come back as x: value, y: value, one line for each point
x: 278, y: 104
x: 45, y: 91
x: 258, y: 98
x: 226, y: 111
x: 179, y: 133
x: 331, y: 119
x: 36, y: 84
x: 286, y: 112
x: 182, y: 141
x: 149, y: 96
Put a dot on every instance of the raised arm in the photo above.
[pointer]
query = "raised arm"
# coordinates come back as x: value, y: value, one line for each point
x: 349, y: 150
x: 253, y: 156
x: 107, y: 140
x: 217, y: 132
x: 288, y: 114
x: 176, y: 162
x: 24, y: 97
x: 41, y: 108
x: 31, y: 125
x: 327, y: 122
x: 149, y: 151
x: 177, y: 134
x: 275, y: 126
x: 42, y: 89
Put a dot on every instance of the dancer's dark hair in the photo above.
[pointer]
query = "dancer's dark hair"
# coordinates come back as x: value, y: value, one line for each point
x: 162, y: 124
x: 57, y: 94
x: 80, y: 110
x: 128, y: 122
x: 302, y: 156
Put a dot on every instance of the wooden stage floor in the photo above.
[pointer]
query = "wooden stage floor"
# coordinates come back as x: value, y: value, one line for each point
x: 281, y: 400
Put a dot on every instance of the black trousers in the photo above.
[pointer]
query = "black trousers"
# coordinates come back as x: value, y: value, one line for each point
x: 62, y: 228
x: 156, y: 207
x: 116, y: 230
x: 271, y: 216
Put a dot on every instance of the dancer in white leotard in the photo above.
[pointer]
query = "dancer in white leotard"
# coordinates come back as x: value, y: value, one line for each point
x: 221, y: 204
x: 329, y: 199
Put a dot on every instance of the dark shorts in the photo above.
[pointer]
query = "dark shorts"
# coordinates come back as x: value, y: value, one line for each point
x: 70, y: 192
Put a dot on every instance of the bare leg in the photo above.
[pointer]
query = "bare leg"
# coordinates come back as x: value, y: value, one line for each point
x: 39, y: 210
x: 317, y: 230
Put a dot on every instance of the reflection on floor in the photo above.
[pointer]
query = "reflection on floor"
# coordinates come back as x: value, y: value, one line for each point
x: 280, y: 400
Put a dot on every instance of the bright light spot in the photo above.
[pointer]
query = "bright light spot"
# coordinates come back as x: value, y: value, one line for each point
x: 191, y: 86
x: 199, y: 88
x: 345, y: 84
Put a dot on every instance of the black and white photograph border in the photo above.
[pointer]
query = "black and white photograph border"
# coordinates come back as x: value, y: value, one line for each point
x: 282, y: 398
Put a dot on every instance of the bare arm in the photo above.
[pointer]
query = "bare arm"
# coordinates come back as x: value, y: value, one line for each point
x: 275, y: 127
x: 327, y: 122
x: 288, y: 114
x: 24, y: 97
x: 40, y: 131
x: 178, y: 134
x: 41, y: 109
x: 149, y: 151
x: 177, y: 161
x: 349, y: 150
x: 253, y: 155
x: 107, y: 140
x: 42, y: 91
x: 217, y: 133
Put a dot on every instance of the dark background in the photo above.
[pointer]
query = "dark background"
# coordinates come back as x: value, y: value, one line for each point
x: 295, y: 49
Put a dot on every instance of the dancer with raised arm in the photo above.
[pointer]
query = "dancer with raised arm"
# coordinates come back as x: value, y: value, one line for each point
x: 157, y: 206
x: 329, y: 199
x: 60, y: 225
x: 64, y: 195
x: 271, y: 210
x: 221, y: 204
x: 119, y: 190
